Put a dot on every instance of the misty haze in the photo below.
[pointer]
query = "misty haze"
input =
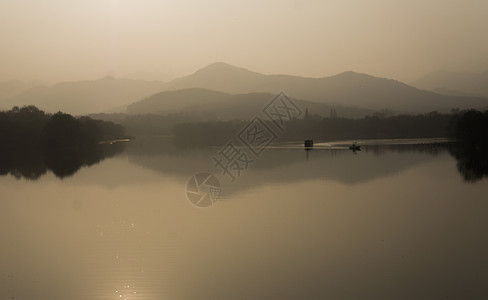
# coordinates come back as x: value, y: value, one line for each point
x: 297, y: 149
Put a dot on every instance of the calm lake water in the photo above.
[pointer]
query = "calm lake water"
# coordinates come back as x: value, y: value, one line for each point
x: 390, y: 222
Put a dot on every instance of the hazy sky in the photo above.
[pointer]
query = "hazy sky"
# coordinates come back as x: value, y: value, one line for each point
x: 56, y: 40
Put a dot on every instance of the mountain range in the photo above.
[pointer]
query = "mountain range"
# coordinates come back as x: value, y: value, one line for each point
x: 204, y: 104
x: 14, y: 87
x: 452, y: 83
x: 346, y: 89
x: 223, y: 90
x: 84, y: 97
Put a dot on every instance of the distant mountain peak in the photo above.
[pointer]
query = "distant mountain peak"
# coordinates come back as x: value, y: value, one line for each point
x: 223, y: 68
x: 352, y: 73
x: 220, y: 65
x: 348, y: 75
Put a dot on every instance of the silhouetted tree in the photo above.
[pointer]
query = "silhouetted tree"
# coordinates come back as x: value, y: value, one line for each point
x: 31, y: 142
x: 29, y: 126
x: 472, y: 128
x: 62, y: 130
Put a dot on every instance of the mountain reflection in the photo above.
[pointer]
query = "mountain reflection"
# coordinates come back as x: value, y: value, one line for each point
x: 283, y: 165
x: 162, y: 156
x: 31, y: 164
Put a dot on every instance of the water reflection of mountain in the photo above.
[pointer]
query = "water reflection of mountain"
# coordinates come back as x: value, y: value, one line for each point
x: 63, y: 162
x: 276, y: 166
x: 281, y: 166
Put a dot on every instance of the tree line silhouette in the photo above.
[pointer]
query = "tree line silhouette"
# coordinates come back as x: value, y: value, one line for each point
x: 378, y: 126
x: 471, y: 130
x: 33, y: 142
x: 29, y: 126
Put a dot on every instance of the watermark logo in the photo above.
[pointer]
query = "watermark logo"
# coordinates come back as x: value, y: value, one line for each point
x: 203, y: 189
x: 281, y: 109
x: 257, y: 136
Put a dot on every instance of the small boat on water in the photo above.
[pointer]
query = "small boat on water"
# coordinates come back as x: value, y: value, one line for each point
x: 308, y: 144
x: 355, y: 147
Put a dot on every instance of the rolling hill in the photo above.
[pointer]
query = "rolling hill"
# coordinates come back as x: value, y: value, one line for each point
x: 352, y: 94
x: 204, y: 104
x: 346, y: 89
x: 175, y: 101
x: 14, y: 87
x: 446, y: 82
x: 83, y: 97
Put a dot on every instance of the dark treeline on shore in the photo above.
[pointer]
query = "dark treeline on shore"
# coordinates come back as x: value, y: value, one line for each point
x: 30, y: 127
x: 471, y: 132
x: 148, y: 124
x: 431, y: 125
x: 33, y: 142
x: 472, y: 128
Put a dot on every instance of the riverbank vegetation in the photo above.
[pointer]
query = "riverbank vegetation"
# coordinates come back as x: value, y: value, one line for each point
x: 30, y: 127
x: 431, y: 125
